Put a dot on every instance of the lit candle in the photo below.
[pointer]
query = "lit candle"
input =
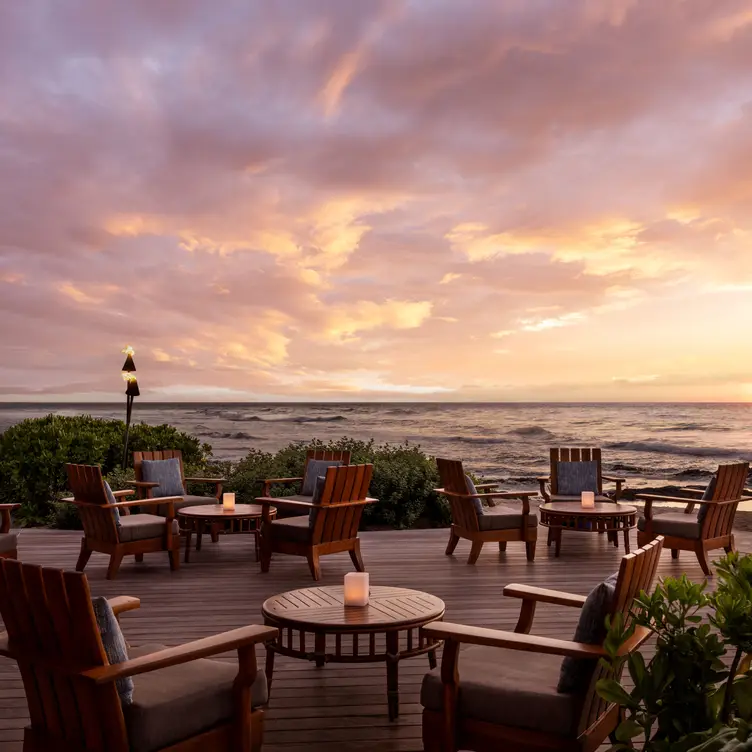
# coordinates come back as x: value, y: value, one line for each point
x: 228, y: 502
x: 356, y: 589
x: 588, y: 499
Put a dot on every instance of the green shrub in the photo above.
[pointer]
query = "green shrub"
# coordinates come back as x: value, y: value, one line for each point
x: 403, y: 479
x: 33, y: 455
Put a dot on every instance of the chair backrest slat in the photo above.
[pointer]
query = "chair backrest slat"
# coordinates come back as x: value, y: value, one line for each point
x: 87, y: 485
x: 574, y: 454
x: 453, y: 479
x: 338, y: 518
x: 52, y: 635
x: 636, y: 573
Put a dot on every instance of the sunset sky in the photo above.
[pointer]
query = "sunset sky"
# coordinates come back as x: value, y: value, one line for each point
x: 376, y: 199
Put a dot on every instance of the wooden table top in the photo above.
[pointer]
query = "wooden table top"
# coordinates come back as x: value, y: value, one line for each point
x: 601, y: 509
x: 324, y: 607
x: 212, y: 511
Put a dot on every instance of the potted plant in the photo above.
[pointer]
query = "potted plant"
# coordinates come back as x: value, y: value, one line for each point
x: 687, y: 697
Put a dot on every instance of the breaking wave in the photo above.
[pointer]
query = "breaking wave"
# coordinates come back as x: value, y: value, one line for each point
x: 659, y: 447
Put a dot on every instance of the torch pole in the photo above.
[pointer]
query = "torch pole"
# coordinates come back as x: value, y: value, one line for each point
x: 128, y: 409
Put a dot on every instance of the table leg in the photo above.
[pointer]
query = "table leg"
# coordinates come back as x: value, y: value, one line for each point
x: 319, y: 649
x: 188, y: 537
x: 557, y: 540
x: 432, y: 659
x: 269, y: 667
x: 392, y: 673
x: 626, y: 540
x: 199, y: 533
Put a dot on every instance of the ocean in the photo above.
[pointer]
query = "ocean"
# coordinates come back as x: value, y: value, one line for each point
x: 650, y: 444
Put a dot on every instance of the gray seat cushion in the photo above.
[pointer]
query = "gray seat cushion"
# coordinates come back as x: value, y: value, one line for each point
x: 674, y: 523
x: 114, y: 644
x: 187, y: 501
x: 176, y: 703
x: 314, y: 468
x: 135, y: 527
x: 507, y: 687
x: 572, y: 478
x: 504, y: 518
x: 8, y: 542
x: 295, y: 529
x: 477, y: 503
x: 166, y: 473
x: 707, y: 495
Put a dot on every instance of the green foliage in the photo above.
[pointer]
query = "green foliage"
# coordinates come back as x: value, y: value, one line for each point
x: 33, y: 455
x: 403, y: 479
x: 685, y: 698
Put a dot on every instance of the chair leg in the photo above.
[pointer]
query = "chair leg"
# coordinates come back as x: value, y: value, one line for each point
x: 83, y: 557
x: 313, y: 563
x: 356, y: 557
x: 502, y: 545
x: 112, y: 569
x: 266, y: 553
x: 731, y: 546
x: 139, y: 557
x: 474, y: 552
x: 702, y: 557
x: 530, y: 550
x: 174, y: 554
x: 550, y: 537
x: 453, y: 541
x: 674, y: 553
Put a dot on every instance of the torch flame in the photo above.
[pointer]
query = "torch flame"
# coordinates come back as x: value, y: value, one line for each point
x: 128, y: 377
x: 128, y: 351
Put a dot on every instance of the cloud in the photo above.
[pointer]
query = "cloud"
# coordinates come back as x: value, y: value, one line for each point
x: 350, y: 191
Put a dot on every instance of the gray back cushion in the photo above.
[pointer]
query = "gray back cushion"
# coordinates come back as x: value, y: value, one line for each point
x: 112, y: 500
x: 576, y: 477
x: 114, y: 644
x: 576, y: 673
x: 317, y: 492
x: 707, y: 496
x: 314, y: 468
x: 166, y: 473
x: 471, y: 489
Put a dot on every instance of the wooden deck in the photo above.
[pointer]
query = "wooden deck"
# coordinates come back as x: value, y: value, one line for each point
x: 338, y: 708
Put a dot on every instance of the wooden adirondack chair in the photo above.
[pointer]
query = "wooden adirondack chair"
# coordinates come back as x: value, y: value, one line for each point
x: 137, y: 534
x: 584, y: 454
x: 506, y: 697
x: 343, y: 457
x: 502, y: 525
x: 710, y: 529
x: 70, y: 688
x: 335, y: 525
x: 8, y: 540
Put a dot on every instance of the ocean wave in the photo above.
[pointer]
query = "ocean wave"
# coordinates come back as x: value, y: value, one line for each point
x: 477, y: 440
x: 536, y: 432
x: 658, y: 447
x: 231, y: 435
x: 235, y: 417
x: 691, y: 427
x: 693, y: 472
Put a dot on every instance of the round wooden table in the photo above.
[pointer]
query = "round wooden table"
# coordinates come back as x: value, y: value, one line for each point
x: 605, y: 517
x: 245, y: 518
x: 314, y: 624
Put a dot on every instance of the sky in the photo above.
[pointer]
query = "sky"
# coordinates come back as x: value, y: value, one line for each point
x: 384, y: 199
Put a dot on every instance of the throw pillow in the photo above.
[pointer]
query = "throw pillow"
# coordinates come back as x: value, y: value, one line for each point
x: 576, y: 477
x: 314, y: 468
x: 576, y: 673
x: 317, y: 493
x: 166, y: 473
x: 471, y: 489
x: 114, y: 644
x: 707, y: 496
x: 112, y: 500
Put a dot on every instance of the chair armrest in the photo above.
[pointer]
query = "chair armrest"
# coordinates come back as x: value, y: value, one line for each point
x: 494, y: 495
x: 543, y: 479
x: 677, y: 499
x: 544, y: 595
x: 123, y: 603
x: 140, y: 502
x: 487, y: 485
x: 281, y: 480
x: 11, y: 507
x: 613, y: 479
x: 123, y: 492
x: 283, y: 501
x: 191, y: 651
x: 143, y: 483
x: 497, y: 638
x: 206, y: 480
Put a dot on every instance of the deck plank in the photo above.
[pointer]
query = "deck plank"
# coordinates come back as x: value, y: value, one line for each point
x: 340, y: 708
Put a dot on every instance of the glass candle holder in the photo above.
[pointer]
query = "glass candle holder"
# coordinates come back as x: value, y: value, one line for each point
x: 228, y: 502
x: 588, y: 499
